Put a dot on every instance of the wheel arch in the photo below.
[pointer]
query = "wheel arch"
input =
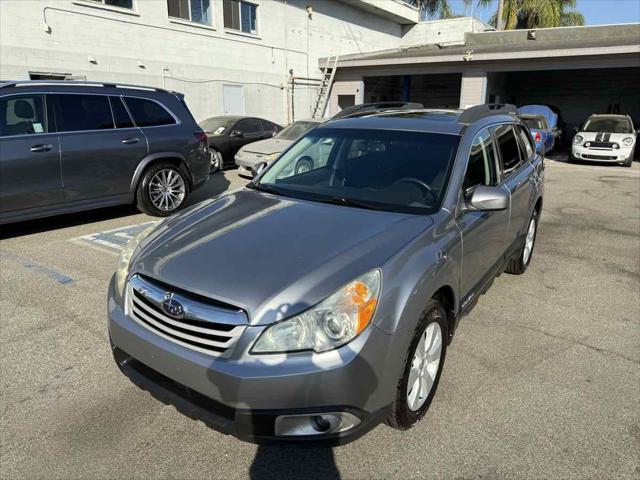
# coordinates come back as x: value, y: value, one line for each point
x: 447, y: 297
x: 173, y: 157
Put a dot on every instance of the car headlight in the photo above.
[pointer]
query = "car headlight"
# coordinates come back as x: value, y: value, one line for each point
x: 330, y: 324
x: 122, y: 269
x: 627, y: 142
x: 270, y: 158
x: 577, y: 140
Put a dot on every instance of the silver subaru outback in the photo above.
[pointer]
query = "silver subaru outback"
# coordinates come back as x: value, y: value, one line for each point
x: 308, y: 307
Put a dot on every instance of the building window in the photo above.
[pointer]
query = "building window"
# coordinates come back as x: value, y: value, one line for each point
x: 240, y: 16
x: 116, y: 3
x: 198, y: 11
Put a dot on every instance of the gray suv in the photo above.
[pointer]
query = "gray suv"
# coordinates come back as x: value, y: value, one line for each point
x: 339, y: 288
x: 69, y: 146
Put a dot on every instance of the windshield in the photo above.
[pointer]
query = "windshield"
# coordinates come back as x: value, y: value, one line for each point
x: 217, y: 125
x: 607, y: 125
x: 535, y: 123
x: 296, y: 129
x: 377, y: 169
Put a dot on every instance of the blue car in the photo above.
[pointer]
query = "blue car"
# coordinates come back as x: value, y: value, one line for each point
x: 540, y: 131
x: 552, y: 124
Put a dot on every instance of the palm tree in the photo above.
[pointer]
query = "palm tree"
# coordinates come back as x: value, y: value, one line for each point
x: 434, y: 9
x: 534, y: 13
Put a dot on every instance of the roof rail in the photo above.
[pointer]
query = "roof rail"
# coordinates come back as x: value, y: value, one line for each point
x: 18, y: 83
x: 475, y: 113
x: 376, y: 107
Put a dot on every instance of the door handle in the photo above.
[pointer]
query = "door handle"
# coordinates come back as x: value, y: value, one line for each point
x: 130, y: 140
x: 41, y: 148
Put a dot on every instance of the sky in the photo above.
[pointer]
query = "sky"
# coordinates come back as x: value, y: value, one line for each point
x: 596, y: 12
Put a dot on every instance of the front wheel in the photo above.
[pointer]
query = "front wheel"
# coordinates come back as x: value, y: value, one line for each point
x: 518, y: 265
x: 422, y: 370
x: 163, y: 190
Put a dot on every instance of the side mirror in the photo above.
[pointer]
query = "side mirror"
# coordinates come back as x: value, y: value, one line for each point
x: 489, y: 198
x: 237, y: 133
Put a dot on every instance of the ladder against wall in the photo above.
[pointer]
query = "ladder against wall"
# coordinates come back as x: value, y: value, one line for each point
x: 329, y: 72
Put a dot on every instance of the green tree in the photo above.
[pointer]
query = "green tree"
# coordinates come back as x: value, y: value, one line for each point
x: 518, y: 14
x: 434, y: 9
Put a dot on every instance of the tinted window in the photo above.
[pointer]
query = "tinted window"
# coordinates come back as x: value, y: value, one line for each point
x: 240, y: 15
x: 268, y: 126
x: 249, y: 125
x: 81, y: 112
x: 525, y: 141
x: 508, y: 145
x: 22, y: 115
x: 481, y: 169
x: 380, y: 169
x: 148, y: 113
x: 120, y: 114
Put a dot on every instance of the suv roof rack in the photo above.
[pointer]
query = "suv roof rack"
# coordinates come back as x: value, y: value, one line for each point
x: 475, y: 113
x: 375, y: 107
x: 88, y: 83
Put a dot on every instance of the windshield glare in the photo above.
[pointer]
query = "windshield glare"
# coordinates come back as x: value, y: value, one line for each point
x: 216, y: 125
x: 295, y: 130
x: 380, y: 169
x: 607, y: 125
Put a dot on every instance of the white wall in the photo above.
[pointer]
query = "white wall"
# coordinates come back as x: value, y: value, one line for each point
x: 199, y: 59
x: 441, y: 31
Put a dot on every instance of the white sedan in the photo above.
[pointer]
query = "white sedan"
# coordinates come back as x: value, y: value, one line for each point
x: 605, y: 138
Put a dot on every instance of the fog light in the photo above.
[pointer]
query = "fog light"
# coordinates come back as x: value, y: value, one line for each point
x: 587, y: 144
x: 314, y: 424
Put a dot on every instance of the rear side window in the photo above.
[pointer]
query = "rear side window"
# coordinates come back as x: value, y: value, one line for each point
x: 120, y: 114
x: 22, y: 115
x: 525, y: 141
x: 268, y: 126
x: 508, y: 145
x: 148, y: 113
x: 81, y: 112
x: 481, y: 169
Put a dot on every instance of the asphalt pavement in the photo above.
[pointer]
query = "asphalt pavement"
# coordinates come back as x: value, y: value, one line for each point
x: 542, y: 379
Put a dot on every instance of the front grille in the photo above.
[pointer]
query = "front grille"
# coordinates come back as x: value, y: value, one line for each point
x: 598, y: 157
x: 204, y: 327
x: 601, y: 145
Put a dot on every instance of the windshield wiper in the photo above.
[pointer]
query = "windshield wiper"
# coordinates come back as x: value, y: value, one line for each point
x: 348, y: 203
x: 264, y: 188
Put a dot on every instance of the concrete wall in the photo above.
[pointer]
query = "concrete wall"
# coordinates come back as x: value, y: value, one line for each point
x: 198, y: 59
x: 441, y: 31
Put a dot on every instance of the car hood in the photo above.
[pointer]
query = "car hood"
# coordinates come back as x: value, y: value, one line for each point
x: 605, y: 137
x: 268, y: 146
x: 269, y: 255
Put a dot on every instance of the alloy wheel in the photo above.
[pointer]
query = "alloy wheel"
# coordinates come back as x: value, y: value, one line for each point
x: 167, y: 190
x: 424, y: 366
x: 528, y: 242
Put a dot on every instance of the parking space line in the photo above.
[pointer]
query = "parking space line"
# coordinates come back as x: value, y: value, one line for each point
x: 36, y: 267
x: 115, y: 239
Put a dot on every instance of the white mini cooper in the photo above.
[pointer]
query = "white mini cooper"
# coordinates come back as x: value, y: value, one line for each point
x: 605, y: 138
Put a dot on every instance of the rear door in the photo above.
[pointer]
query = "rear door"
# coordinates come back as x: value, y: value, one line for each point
x: 484, y: 233
x: 516, y: 172
x: 100, y: 145
x: 29, y: 155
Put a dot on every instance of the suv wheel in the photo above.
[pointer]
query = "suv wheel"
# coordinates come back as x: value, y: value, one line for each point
x: 422, y: 370
x: 216, y: 161
x: 519, y: 264
x: 163, y: 189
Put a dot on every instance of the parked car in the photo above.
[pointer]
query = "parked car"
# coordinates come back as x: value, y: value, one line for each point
x: 252, y: 158
x: 540, y: 131
x: 605, y: 138
x: 552, y: 116
x: 338, y: 289
x: 227, y: 134
x: 69, y: 146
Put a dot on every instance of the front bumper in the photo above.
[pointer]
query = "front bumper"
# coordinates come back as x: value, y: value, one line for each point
x: 247, y: 161
x: 243, y: 394
x: 621, y: 154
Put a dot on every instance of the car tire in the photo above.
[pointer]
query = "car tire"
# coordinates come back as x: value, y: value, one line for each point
x: 629, y: 161
x: 217, y: 164
x: 519, y: 263
x: 303, y: 165
x: 413, y: 395
x: 149, y: 196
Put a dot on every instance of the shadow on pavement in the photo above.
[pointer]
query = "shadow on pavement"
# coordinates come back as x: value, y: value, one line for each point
x: 294, y: 463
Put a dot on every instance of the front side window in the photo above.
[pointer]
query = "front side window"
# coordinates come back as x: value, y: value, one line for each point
x: 148, y: 113
x: 198, y: 11
x: 508, y: 145
x: 249, y: 125
x: 75, y: 113
x: 22, y: 115
x: 481, y: 168
x: 240, y: 16
x: 525, y: 141
x: 375, y: 169
x: 116, y: 3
